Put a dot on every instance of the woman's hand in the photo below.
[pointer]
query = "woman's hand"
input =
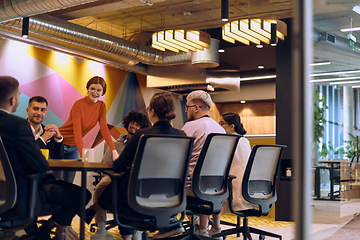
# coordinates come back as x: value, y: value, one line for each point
x: 115, y: 155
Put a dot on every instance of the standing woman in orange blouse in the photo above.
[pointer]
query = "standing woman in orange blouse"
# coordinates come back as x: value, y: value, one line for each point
x: 84, y: 115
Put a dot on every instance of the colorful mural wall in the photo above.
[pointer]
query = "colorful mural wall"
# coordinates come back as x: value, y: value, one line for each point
x: 62, y: 79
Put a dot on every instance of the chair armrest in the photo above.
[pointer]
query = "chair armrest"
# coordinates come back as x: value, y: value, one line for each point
x: 38, y: 176
x: 113, y: 174
x: 230, y: 197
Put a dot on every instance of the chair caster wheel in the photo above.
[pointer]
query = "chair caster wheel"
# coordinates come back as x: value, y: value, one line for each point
x: 261, y: 237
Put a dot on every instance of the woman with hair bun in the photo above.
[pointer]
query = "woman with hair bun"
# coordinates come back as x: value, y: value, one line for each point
x: 160, y: 112
x: 231, y: 122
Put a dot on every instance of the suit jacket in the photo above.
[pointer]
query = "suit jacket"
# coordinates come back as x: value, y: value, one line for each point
x: 56, y: 150
x: 125, y: 160
x: 24, y: 154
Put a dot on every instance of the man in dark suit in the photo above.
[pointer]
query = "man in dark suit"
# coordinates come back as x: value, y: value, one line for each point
x: 26, y: 158
x: 47, y: 137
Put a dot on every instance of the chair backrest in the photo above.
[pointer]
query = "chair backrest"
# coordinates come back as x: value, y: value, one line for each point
x: 259, y: 181
x: 7, y: 182
x: 158, y: 177
x: 209, y: 180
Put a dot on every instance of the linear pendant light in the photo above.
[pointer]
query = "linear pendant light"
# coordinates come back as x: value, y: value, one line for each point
x: 180, y: 40
x: 254, y: 31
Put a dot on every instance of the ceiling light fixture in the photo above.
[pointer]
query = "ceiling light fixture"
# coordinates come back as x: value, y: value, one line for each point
x: 210, y: 87
x: 320, y: 63
x: 261, y: 67
x: 242, y: 101
x: 334, y: 73
x: 25, y: 27
x: 180, y: 40
x: 354, y: 29
x: 221, y: 50
x: 224, y: 10
x: 335, y: 83
x: 334, y: 79
x: 259, y: 46
x: 257, y: 78
x: 254, y: 30
x: 145, y: 2
x: 273, y: 38
x: 356, y: 9
x: 357, y: 86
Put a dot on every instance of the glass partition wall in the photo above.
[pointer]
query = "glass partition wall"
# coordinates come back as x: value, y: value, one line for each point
x: 336, y: 79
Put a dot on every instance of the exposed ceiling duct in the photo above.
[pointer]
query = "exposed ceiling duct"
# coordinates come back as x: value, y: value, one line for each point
x: 11, y: 10
x: 126, y: 52
x: 335, y: 43
x: 58, y: 34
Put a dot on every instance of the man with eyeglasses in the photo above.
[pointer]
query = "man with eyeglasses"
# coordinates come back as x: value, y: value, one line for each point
x: 199, y: 125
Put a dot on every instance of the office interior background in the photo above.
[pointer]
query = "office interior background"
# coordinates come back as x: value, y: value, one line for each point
x: 53, y: 63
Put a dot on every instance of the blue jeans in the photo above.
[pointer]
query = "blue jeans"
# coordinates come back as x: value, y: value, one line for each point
x: 70, y: 152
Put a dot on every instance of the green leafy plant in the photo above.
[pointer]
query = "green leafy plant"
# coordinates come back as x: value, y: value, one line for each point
x: 319, y: 119
x: 349, y: 148
x: 326, y: 150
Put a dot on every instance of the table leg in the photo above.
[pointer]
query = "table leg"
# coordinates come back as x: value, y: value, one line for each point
x: 332, y: 182
x: 83, y: 204
x: 317, y: 182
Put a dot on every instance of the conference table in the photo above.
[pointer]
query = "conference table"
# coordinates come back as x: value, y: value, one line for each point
x: 83, y: 167
x: 331, y: 165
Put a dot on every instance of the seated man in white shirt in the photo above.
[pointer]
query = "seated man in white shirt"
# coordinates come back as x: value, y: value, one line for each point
x: 47, y: 137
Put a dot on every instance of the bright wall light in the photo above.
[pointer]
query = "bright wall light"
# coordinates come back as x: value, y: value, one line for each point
x: 62, y: 59
x: 257, y: 78
x: 99, y: 69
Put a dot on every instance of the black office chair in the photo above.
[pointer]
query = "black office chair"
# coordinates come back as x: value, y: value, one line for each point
x: 10, y: 222
x: 209, y: 186
x: 156, y: 190
x: 258, y: 189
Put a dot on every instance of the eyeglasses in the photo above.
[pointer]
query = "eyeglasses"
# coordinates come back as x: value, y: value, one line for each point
x: 100, y: 91
x: 186, y: 106
x: 222, y: 123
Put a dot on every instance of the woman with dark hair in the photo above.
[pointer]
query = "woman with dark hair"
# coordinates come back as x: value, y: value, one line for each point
x: 160, y: 112
x: 84, y: 115
x: 231, y: 122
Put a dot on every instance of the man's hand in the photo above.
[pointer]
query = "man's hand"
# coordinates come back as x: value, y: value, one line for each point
x: 115, y: 155
x: 47, y: 135
x: 53, y: 128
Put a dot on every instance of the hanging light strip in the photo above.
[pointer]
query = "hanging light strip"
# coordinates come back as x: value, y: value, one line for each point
x: 253, y: 30
x: 180, y: 40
